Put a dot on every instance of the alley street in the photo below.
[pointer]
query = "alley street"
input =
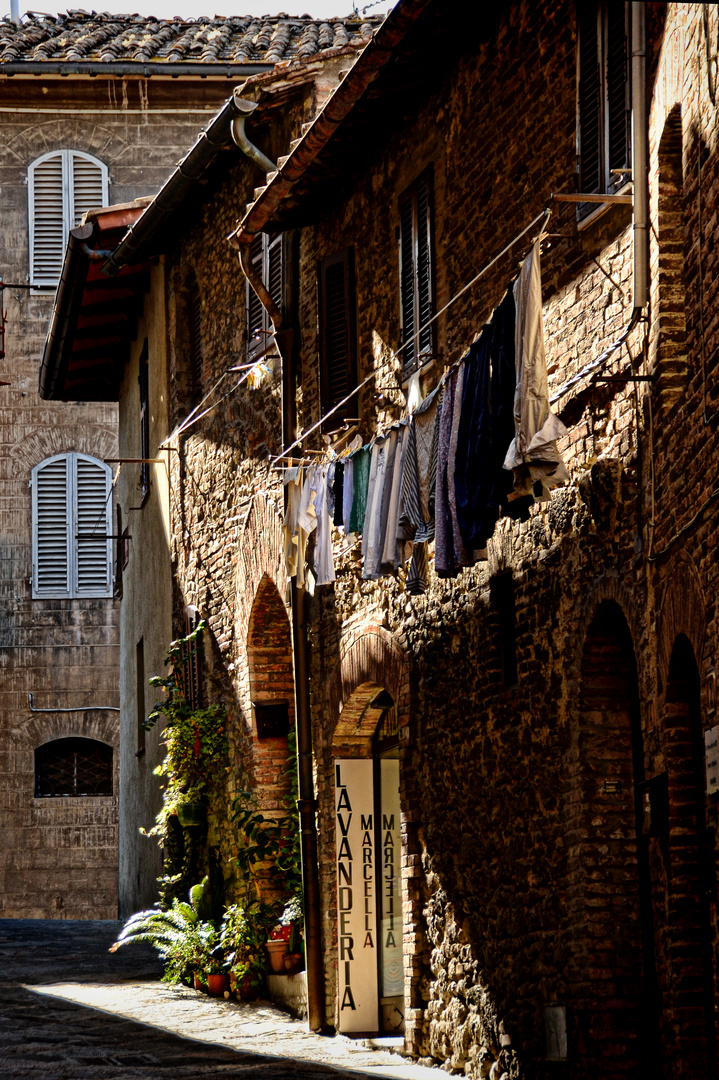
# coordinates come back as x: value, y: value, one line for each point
x: 69, y: 1010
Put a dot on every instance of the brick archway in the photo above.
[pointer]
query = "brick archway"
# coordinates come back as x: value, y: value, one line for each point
x: 682, y: 611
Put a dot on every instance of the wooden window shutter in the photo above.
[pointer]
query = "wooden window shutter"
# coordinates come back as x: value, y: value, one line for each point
x: 338, y: 355
x: 92, y: 553
x: 407, y: 283
x: 603, y: 97
x: 416, y: 272
x: 255, y: 310
x: 47, y: 220
x: 590, y: 98
x: 617, y: 81
x: 274, y: 273
x: 51, y: 528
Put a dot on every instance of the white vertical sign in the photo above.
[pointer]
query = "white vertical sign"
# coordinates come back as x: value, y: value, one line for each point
x: 711, y: 746
x: 356, y: 895
x: 389, y: 876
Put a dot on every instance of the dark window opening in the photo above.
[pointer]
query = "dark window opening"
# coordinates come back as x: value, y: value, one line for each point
x: 144, y: 381
x: 416, y: 258
x: 338, y: 347
x: 604, y: 105
x: 267, y: 255
x: 194, y: 314
x: 272, y: 719
x: 140, y: 676
x: 502, y: 594
x: 73, y: 766
x: 192, y: 686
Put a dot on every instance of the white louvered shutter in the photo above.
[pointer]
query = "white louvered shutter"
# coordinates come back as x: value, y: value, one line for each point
x: 88, y: 186
x: 70, y: 501
x: 47, y: 220
x: 92, y: 557
x: 51, y: 528
x: 62, y: 186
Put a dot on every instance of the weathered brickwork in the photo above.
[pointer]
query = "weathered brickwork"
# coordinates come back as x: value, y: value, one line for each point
x: 557, y: 844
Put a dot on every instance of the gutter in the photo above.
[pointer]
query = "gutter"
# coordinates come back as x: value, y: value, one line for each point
x: 215, y: 138
x: 129, y: 68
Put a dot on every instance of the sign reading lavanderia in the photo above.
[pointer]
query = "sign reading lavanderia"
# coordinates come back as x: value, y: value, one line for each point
x: 356, y: 895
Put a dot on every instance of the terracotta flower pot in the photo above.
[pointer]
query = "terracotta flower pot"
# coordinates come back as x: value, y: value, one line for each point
x: 276, y: 950
x: 294, y: 963
x: 199, y: 984
x: 217, y: 984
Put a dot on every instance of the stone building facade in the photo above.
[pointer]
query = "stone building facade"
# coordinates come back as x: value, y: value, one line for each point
x: 552, y: 709
x: 126, y: 95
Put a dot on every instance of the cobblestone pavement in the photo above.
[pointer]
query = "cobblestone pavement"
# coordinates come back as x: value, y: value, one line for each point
x: 69, y: 1010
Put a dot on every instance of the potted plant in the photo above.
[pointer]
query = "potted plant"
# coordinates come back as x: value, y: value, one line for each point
x: 243, y: 933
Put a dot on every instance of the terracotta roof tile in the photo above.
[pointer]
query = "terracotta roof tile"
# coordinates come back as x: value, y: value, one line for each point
x: 83, y: 36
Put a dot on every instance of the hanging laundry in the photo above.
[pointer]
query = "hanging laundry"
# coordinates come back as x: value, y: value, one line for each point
x: 360, y: 480
x: 394, y: 551
x: 338, y: 487
x: 472, y: 470
x: 446, y: 562
x: 533, y: 456
x: 324, y: 570
x: 293, y: 483
x: 347, y: 489
x: 415, y: 521
x: 371, y: 547
x: 306, y: 525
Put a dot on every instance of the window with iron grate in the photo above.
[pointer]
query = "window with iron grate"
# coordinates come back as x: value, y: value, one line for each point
x: 191, y: 660
x: 416, y: 262
x: 62, y: 186
x: 338, y: 344
x: 603, y: 143
x: 267, y: 254
x: 71, y: 527
x: 71, y: 767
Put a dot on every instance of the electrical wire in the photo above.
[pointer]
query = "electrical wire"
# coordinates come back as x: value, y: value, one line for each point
x: 545, y: 215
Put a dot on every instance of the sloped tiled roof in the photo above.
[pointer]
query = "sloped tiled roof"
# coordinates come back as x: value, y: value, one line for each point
x: 104, y: 38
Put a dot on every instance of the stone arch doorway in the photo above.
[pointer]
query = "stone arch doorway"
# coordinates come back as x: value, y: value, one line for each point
x: 612, y: 983
x: 682, y: 863
x: 271, y: 698
x: 370, y: 921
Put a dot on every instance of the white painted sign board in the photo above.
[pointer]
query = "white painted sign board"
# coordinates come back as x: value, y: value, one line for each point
x: 711, y: 746
x: 356, y: 895
x: 391, y: 894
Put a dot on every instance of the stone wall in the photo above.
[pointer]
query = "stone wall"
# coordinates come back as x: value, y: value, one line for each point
x: 543, y: 867
x: 58, y: 857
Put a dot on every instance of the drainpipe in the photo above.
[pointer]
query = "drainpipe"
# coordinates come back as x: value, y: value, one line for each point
x: 15, y: 11
x: 640, y: 156
x: 243, y: 109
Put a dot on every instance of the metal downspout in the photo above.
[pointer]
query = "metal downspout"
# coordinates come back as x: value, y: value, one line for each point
x: 243, y: 109
x: 640, y: 160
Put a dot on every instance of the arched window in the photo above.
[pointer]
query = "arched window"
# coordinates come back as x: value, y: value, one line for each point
x: 73, y: 767
x: 62, y: 186
x: 71, y: 527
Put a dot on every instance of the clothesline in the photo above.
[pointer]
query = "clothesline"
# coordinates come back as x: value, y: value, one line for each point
x: 545, y: 214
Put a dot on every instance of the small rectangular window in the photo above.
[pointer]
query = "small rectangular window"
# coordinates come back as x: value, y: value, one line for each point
x: 144, y: 381
x: 603, y: 143
x: 502, y: 594
x: 338, y: 345
x: 416, y: 260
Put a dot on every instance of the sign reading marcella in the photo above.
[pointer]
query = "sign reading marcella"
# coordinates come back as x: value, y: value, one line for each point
x: 390, y: 900
x: 356, y: 895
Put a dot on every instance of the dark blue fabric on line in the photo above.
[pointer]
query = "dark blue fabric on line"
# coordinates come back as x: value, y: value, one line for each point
x: 472, y: 467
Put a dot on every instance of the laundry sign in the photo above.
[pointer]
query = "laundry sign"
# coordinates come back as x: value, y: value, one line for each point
x: 711, y: 746
x: 356, y: 895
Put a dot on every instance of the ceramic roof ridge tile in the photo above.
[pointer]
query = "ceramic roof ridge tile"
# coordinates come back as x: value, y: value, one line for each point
x: 79, y: 35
